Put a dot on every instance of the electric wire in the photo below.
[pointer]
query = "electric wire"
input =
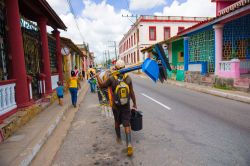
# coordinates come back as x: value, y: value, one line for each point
x: 75, y: 19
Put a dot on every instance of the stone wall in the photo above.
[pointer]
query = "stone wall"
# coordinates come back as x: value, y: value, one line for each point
x: 197, y: 78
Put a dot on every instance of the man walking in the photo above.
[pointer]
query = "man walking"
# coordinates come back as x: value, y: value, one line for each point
x: 122, y: 89
x: 90, y: 77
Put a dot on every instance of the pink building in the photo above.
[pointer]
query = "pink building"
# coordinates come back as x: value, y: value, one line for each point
x: 149, y: 30
x: 223, y: 43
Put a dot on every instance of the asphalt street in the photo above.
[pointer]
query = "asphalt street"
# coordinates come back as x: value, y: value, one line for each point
x: 180, y: 127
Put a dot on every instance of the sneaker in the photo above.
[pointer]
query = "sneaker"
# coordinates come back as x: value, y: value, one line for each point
x: 75, y: 105
x: 130, y: 150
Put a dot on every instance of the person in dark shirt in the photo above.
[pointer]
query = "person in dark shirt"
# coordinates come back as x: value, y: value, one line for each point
x: 122, y: 113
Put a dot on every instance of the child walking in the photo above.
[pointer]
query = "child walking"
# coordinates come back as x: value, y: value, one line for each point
x: 59, y: 92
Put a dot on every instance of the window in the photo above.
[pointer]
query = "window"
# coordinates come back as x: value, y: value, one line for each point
x: 152, y: 33
x: 166, y: 33
x: 138, y: 35
x: 134, y: 38
x: 134, y: 58
x: 180, y: 29
x: 131, y: 40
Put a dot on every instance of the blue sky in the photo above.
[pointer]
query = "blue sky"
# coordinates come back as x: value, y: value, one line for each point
x: 78, y: 6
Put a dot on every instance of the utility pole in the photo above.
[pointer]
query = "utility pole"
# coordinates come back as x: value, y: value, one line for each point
x: 105, y: 58
x: 108, y: 56
x: 131, y: 16
x: 114, y: 45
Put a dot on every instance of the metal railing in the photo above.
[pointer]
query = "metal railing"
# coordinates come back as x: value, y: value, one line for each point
x: 7, y: 96
x: 234, y: 6
x: 225, y: 66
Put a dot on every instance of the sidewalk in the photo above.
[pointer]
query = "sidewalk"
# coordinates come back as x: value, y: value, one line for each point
x: 23, y: 146
x: 229, y: 94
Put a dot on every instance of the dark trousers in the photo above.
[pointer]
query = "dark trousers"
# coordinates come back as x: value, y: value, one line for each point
x: 73, y: 92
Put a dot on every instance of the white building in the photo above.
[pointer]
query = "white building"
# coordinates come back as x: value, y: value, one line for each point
x: 149, y: 30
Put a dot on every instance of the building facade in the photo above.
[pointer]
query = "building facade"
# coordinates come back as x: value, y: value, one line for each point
x: 220, y: 47
x: 149, y: 30
x: 215, y: 51
x: 72, y: 57
x: 30, y: 57
x: 88, y: 57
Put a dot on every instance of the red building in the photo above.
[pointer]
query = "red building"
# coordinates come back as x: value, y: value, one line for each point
x: 31, y: 60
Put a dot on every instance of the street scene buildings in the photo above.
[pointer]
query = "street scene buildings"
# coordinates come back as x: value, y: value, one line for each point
x: 214, y: 51
x: 149, y: 30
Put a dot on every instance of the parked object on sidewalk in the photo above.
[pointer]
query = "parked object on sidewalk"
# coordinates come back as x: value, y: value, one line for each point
x: 136, y: 120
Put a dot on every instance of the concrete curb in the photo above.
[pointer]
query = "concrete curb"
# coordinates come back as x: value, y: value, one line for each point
x: 214, y: 92
x: 25, y: 158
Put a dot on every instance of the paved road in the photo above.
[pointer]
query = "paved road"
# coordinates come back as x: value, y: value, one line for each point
x: 181, y: 127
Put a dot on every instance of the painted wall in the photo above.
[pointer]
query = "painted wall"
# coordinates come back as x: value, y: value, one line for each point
x: 178, y: 59
x: 144, y: 30
x: 144, y: 41
x: 201, y: 48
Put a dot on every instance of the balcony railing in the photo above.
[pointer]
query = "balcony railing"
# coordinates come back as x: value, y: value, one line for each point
x: 180, y: 18
x: 234, y: 6
x: 7, y: 96
x: 230, y: 69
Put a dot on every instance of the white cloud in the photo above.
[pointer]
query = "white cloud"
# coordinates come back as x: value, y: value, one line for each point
x: 98, y: 23
x: 60, y: 7
x: 145, y: 4
x: 193, y: 8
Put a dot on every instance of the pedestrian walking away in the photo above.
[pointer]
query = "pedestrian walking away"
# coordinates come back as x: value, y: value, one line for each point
x: 59, y: 92
x: 73, y: 85
x: 91, y: 80
x: 122, y: 90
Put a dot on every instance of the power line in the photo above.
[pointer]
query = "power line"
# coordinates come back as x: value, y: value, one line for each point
x: 74, y: 15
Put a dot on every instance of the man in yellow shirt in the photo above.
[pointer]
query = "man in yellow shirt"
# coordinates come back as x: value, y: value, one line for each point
x: 91, y: 78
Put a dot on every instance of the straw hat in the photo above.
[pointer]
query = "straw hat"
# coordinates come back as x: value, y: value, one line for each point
x: 119, y: 64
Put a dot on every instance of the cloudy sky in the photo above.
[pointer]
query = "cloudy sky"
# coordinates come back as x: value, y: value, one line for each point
x: 101, y: 21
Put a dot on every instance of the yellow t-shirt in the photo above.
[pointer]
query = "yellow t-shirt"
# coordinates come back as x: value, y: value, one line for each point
x: 73, y: 82
x: 93, y: 71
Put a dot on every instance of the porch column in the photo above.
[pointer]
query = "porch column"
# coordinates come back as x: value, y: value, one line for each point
x: 42, y: 22
x: 218, y: 32
x: 58, y: 54
x: 16, y: 53
x: 74, y: 61
x: 85, y: 65
x: 185, y: 53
